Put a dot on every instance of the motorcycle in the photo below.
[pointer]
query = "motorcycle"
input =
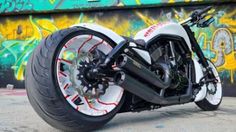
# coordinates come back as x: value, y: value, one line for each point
x: 79, y: 78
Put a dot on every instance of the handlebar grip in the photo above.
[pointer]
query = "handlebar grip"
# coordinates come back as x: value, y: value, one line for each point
x: 205, y: 10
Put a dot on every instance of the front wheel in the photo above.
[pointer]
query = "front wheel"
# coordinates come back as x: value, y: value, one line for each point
x: 59, y: 88
x: 212, y: 99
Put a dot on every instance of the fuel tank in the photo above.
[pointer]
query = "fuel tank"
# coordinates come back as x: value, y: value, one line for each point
x: 163, y: 28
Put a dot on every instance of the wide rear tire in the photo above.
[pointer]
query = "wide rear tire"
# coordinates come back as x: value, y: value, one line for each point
x: 44, y: 92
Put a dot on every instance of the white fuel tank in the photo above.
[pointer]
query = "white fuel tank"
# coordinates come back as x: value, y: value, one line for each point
x: 163, y: 28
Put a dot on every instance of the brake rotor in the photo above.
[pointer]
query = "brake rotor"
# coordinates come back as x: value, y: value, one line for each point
x: 88, y: 86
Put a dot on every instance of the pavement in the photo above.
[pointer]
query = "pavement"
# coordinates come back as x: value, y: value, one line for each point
x: 16, y: 115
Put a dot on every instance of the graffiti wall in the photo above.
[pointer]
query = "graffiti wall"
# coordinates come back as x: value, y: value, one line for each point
x: 24, y: 6
x: 20, y: 35
x: 7, y: 6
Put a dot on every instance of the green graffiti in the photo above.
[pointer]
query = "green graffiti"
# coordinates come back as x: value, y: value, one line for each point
x: 26, y: 6
x: 8, y: 6
x: 20, y: 35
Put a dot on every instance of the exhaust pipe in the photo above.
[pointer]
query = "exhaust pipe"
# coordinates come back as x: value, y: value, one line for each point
x: 141, y: 90
x: 135, y: 72
x: 138, y: 70
x: 147, y: 93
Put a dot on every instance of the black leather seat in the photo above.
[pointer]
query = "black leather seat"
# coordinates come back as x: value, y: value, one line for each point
x: 139, y: 42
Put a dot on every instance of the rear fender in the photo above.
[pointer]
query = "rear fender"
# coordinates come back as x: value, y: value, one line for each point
x: 113, y: 36
x: 100, y: 29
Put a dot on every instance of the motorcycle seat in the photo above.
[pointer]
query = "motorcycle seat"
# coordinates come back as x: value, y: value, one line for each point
x: 139, y: 42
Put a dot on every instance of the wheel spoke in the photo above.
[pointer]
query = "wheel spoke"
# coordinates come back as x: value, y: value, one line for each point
x: 75, y: 55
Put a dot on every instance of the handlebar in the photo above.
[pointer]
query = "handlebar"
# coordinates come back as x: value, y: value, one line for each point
x: 198, y: 15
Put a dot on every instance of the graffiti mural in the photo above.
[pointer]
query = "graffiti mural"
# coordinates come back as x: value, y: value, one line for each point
x: 24, y: 6
x: 20, y: 36
x: 9, y: 6
x: 150, y: 2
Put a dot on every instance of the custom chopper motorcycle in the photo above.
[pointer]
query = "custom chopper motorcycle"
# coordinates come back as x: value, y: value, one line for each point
x: 78, y: 78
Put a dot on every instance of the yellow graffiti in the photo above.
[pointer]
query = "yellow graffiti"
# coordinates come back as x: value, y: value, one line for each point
x: 46, y: 25
x: 35, y: 36
x: 229, y: 65
x: 146, y: 19
x: 171, y: 1
x: 180, y: 18
x: 202, y: 34
x: 138, y: 2
x: 205, y: 45
x: 175, y: 1
x: 117, y: 25
x: 228, y: 19
x: 30, y: 30
x: 65, y: 21
x: 121, y: 4
x: 187, y: 0
x: 52, y: 1
x: 20, y: 29
x: 229, y: 59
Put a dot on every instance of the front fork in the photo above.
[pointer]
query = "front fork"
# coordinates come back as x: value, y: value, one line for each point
x: 199, y: 53
x: 209, y: 76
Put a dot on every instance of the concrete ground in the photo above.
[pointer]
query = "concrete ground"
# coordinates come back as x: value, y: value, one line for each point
x: 16, y: 115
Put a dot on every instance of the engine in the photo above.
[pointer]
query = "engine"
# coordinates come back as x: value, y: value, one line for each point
x: 169, y: 53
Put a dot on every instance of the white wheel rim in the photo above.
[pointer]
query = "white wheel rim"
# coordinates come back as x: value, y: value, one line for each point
x: 96, y: 107
x: 215, y: 98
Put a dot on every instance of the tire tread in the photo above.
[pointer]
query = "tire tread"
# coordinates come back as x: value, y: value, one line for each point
x: 41, y: 89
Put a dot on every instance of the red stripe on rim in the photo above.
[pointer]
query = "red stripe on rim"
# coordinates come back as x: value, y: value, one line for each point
x: 90, y: 37
x: 65, y: 46
x: 99, y: 101
x: 63, y: 74
x: 67, y: 96
x: 91, y: 107
x: 96, y: 45
x: 69, y: 42
x: 76, y: 97
x: 66, y: 86
x: 67, y: 61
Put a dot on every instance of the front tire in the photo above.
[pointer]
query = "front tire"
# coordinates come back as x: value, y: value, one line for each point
x: 44, y: 88
x: 212, y: 101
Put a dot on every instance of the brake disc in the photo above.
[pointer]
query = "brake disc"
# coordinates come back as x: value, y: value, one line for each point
x: 90, y: 88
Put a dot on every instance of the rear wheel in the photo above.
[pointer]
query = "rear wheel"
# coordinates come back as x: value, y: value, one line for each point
x: 58, y: 86
x: 214, y: 93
